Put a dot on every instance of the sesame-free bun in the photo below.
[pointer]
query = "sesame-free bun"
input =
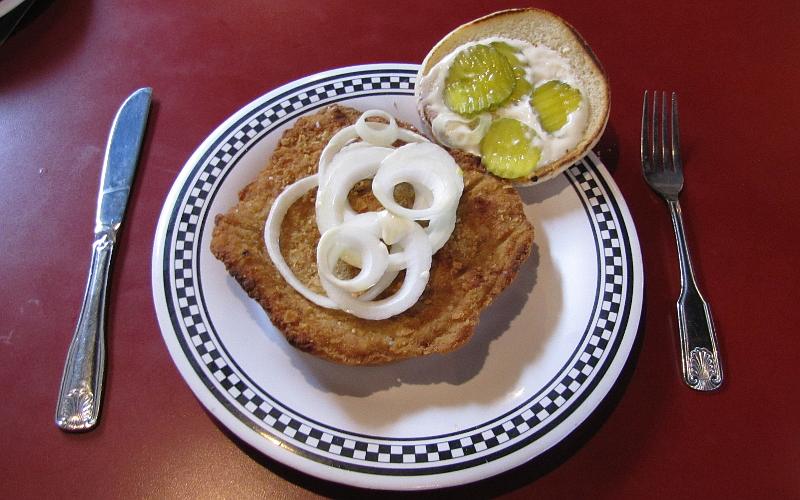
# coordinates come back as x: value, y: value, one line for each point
x: 537, y: 27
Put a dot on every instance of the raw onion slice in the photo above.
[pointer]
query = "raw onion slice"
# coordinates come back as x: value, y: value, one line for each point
x: 346, y: 137
x: 373, y: 256
x: 418, y: 249
x: 272, y: 234
x: 459, y: 132
x: 339, y: 140
x: 439, y: 228
x: 377, y: 133
x: 383, y: 243
x: 419, y: 164
x: 382, y: 284
x: 351, y: 165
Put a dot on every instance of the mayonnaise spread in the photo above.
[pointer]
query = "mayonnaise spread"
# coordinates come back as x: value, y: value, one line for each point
x: 542, y: 64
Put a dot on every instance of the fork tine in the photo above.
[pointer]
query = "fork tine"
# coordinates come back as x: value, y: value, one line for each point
x: 647, y: 157
x: 666, y: 162
x: 677, y: 163
x: 655, y: 135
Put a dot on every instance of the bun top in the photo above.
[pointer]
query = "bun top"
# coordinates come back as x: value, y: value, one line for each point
x: 538, y: 28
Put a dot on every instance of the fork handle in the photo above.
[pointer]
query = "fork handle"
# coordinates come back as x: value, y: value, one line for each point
x: 700, y: 361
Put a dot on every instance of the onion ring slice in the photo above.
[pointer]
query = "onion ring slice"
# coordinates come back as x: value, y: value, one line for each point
x: 272, y: 234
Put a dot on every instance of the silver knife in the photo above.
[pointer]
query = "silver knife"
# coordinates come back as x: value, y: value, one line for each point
x: 82, y: 383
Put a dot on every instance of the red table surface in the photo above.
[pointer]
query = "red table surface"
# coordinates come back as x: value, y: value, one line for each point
x: 70, y: 64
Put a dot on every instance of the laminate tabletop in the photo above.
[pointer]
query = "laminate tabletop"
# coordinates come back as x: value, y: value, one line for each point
x: 68, y: 66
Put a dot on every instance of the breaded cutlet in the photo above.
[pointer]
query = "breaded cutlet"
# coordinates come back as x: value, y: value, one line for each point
x: 491, y: 240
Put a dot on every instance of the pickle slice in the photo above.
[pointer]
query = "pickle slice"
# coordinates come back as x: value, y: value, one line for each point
x: 553, y: 102
x: 505, y: 49
x: 522, y: 86
x: 507, y: 151
x: 479, y: 79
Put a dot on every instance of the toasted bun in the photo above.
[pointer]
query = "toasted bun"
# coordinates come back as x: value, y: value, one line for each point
x: 538, y: 27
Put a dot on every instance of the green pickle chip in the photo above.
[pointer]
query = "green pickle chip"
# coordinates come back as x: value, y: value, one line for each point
x: 507, y: 150
x: 553, y: 102
x: 480, y: 78
x: 522, y: 86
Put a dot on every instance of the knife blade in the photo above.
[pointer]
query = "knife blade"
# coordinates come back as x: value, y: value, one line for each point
x: 79, y: 397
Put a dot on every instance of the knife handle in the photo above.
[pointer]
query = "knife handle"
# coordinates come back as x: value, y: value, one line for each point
x: 82, y: 383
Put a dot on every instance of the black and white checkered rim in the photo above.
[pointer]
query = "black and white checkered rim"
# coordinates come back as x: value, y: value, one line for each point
x: 312, y: 439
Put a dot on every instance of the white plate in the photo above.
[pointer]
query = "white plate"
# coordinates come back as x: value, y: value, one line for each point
x: 543, y: 357
x: 7, y: 6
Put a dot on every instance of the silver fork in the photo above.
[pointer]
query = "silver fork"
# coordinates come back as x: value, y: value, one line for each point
x: 663, y: 171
